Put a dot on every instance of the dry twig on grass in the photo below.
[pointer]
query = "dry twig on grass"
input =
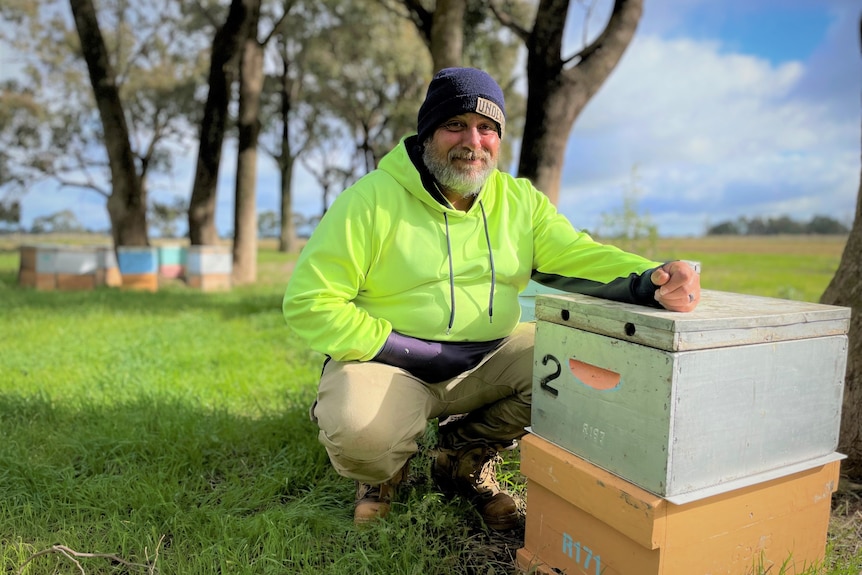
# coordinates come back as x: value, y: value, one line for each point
x: 71, y: 555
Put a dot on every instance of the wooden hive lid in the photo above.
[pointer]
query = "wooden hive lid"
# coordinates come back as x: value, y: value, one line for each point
x: 722, y: 319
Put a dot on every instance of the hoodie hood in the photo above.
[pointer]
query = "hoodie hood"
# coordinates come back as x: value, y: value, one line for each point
x: 404, y: 163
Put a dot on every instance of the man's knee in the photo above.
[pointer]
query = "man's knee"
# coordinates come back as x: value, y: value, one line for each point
x: 371, y: 454
x: 360, y: 440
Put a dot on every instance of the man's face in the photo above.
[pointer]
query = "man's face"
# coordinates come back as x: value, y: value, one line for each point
x: 463, y: 152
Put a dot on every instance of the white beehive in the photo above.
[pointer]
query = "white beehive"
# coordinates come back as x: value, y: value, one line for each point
x: 686, y: 405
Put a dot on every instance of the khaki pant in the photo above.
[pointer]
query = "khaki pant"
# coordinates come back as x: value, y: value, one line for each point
x: 371, y: 414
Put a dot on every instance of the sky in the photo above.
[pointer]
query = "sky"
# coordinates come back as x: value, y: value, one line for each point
x: 722, y: 110
x: 717, y: 110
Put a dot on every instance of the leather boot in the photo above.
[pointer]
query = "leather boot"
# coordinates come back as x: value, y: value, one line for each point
x: 374, y: 501
x: 471, y: 472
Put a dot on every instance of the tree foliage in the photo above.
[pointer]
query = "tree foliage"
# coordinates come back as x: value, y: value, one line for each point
x: 630, y: 227
x: 10, y: 212
x: 288, y: 116
x: 758, y: 226
x: 63, y: 221
x: 165, y: 217
x: 58, y: 133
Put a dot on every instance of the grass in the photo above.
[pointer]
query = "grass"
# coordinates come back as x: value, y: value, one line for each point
x: 168, y: 433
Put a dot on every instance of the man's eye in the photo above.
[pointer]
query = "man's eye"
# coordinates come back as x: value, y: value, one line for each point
x: 453, y: 126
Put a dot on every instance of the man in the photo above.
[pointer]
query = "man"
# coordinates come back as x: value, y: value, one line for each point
x: 410, y: 286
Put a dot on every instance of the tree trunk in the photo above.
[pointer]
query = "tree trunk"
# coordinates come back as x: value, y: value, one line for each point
x: 442, y: 30
x: 287, y: 229
x: 556, y: 94
x: 845, y: 289
x: 287, y: 240
x: 245, y: 209
x: 447, y: 34
x: 127, y: 204
x: 227, y: 44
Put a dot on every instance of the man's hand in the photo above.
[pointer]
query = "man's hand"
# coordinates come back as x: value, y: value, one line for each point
x: 679, y: 286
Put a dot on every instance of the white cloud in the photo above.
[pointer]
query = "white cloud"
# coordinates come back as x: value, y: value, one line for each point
x: 714, y: 135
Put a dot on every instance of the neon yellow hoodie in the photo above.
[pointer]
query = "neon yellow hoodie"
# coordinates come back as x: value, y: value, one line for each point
x: 380, y: 260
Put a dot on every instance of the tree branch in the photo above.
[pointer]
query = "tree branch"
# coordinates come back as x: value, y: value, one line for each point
x: 600, y: 40
x: 507, y: 21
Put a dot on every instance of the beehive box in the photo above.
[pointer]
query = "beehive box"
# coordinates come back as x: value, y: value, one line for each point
x: 172, y: 261
x: 686, y: 405
x: 76, y: 267
x: 108, y: 273
x: 584, y: 520
x: 36, y: 267
x: 67, y: 267
x: 139, y: 266
x: 209, y: 268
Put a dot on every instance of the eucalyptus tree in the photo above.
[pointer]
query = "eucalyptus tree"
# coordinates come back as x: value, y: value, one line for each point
x: 127, y: 203
x: 365, y: 83
x: 440, y: 24
x: 558, y: 86
x: 244, y: 268
x: 367, y: 94
x: 102, y: 100
x: 289, y: 117
x: 229, y: 38
x: 844, y: 290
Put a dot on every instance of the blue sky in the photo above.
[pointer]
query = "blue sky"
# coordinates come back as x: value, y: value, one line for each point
x: 717, y: 110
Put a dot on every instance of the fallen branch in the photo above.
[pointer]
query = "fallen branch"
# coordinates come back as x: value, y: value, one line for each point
x: 71, y: 555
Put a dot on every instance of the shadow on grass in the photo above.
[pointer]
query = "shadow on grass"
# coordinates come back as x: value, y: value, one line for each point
x: 214, y: 492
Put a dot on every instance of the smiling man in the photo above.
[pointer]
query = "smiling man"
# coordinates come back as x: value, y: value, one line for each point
x: 409, y: 286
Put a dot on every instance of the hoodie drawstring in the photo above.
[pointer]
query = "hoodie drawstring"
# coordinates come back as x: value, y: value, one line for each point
x: 452, y: 271
x: 491, y: 261
x: 451, y: 277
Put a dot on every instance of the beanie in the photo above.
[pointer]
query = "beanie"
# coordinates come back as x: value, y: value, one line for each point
x: 455, y: 91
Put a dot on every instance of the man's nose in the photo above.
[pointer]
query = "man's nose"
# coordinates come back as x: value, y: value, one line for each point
x: 472, y: 137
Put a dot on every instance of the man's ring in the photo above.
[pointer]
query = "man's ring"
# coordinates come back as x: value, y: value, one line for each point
x: 690, y: 297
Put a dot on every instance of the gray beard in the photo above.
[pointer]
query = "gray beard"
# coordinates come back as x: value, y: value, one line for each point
x: 464, y: 184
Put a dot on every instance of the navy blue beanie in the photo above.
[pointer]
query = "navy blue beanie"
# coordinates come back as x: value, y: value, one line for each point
x: 455, y: 91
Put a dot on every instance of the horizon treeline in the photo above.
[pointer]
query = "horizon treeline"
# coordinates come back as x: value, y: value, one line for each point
x: 758, y: 226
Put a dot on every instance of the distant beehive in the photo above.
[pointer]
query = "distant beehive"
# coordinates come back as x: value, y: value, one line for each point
x: 139, y: 267
x: 55, y: 267
x: 172, y: 261
x: 209, y: 268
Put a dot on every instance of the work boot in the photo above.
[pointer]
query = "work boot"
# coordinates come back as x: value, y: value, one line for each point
x: 471, y: 472
x: 374, y: 501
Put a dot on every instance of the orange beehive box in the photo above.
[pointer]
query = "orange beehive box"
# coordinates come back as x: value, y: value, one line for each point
x: 109, y: 277
x: 584, y: 520
x: 140, y: 282
x: 32, y: 278
x: 28, y: 257
x: 76, y: 281
x: 209, y: 282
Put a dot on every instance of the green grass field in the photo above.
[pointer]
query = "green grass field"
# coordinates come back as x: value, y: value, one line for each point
x: 168, y: 433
